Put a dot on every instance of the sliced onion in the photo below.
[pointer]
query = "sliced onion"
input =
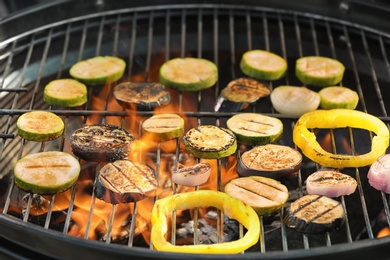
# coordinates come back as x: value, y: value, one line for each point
x: 330, y: 183
x: 379, y: 174
x: 294, y: 101
x: 192, y: 176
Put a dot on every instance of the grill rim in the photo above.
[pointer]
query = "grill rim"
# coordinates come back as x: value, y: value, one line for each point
x: 279, y: 256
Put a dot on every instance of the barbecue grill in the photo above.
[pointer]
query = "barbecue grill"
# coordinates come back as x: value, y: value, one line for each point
x: 40, y: 45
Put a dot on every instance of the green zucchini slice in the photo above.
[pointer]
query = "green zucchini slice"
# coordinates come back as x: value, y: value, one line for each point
x: 263, y: 65
x: 338, y: 97
x: 65, y: 93
x: 319, y: 71
x: 264, y: 195
x: 255, y: 129
x: 210, y: 142
x: 188, y: 74
x: 98, y: 70
x: 46, y: 172
x: 163, y: 127
x: 40, y: 126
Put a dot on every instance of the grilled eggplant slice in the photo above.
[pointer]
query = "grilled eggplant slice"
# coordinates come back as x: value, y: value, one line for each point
x: 142, y: 96
x: 46, y: 173
x: 330, y: 183
x: 163, y: 127
x: 239, y: 94
x: 314, y: 214
x: 101, y: 143
x: 210, y: 142
x: 255, y: 129
x: 192, y: 175
x: 271, y: 160
x: 264, y: 195
x: 124, y: 181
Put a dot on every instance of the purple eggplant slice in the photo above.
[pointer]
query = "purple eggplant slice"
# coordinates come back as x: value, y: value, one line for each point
x: 271, y: 160
x: 124, y: 181
x: 101, y: 143
x: 314, y: 214
x: 143, y: 96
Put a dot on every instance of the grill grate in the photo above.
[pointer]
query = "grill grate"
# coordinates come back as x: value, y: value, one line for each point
x: 146, y: 37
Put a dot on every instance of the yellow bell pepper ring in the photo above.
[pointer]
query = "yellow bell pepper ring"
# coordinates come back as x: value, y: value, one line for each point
x: 232, y: 208
x: 338, y: 118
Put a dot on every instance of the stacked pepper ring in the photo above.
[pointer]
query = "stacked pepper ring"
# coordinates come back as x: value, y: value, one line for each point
x: 232, y: 208
x: 338, y: 118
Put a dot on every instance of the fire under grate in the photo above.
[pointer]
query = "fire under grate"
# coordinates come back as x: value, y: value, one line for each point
x: 147, y: 37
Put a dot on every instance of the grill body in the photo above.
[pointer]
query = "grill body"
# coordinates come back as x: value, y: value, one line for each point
x: 146, y: 35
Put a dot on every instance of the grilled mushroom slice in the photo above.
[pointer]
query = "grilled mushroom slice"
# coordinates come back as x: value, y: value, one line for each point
x: 143, y: 96
x: 239, y: 93
x: 330, y: 183
x: 210, y: 142
x: 264, y: 195
x: 101, y: 143
x: 124, y: 181
x: 271, y: 160
x: 314, y: 214
x: 163, y: 127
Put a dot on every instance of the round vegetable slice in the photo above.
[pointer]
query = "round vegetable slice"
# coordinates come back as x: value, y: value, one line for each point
x: 192, y: 175
x: 255, y: 129
x: 124, y: 181
x: 210, y: 142
x: 188, y: 74
x: 101, y: 143
x: 65, y: 93
x: 314, y: 214
x: 98, y: 70
x: 163, y: 127
x: 379, y: 174
x: 330, y: 183
x: 231, y: 207
x: 264, y: 195
x: 271, y: 160
x: 40, y: 126
x: 319, y: 71
x: 142, y: 96
x: 263, y: 65
x: 338, y: 97
x: 46, y: 172
x: 294, y: 101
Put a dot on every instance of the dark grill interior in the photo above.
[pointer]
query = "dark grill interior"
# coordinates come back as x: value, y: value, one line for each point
x: 146, y: 37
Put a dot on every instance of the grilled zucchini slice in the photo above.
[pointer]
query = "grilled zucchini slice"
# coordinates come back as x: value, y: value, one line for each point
x: 338, y: 97
x: 163, y: 127
x: 46, y: 172
x: 188, y: 74
x: 319, y: 71
x: 124, y: 181
x: 98, y: 70
x: 264, y: 195
x: 142, y: 96
x: 65, y: 93
x: 263, y: 65
x: 40, y: 126
x: 255, y: 129
x: 210, y: 142
x: 101, y: 143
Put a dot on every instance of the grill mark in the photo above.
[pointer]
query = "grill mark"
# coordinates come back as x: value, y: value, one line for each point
x: 321, y: 179
x: 50, y: 166
x: 253, y: 192
x: 323, y: 213
x: 269, y: 185
x: 301, y: 207
x: 250, y: 130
